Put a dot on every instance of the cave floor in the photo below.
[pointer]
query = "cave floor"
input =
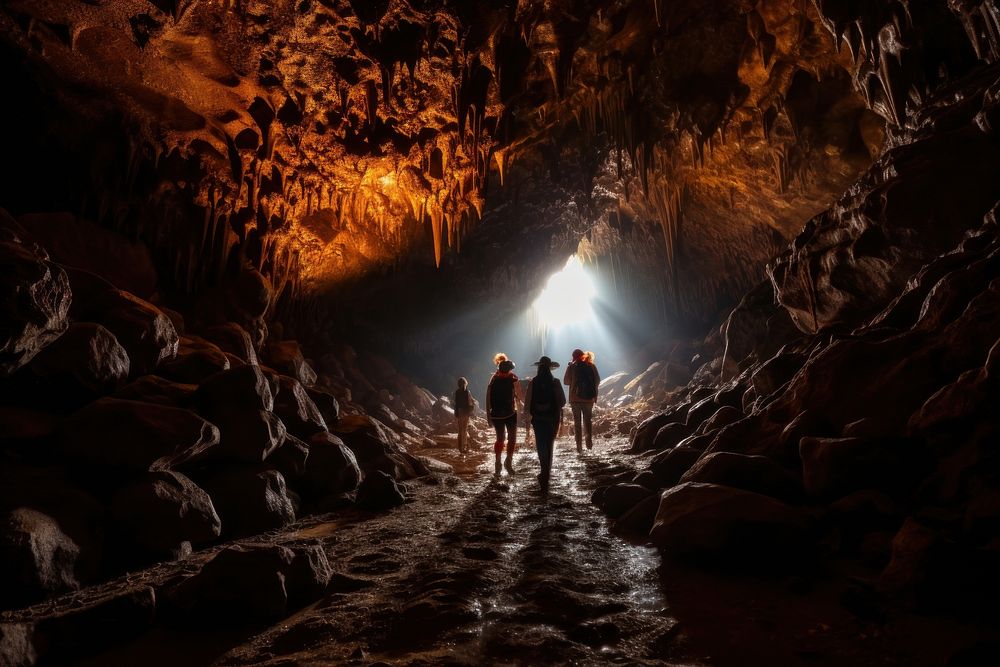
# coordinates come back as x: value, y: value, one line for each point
x: 475, y: 571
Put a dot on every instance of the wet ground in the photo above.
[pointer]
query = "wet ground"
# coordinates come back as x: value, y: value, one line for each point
x: 474, y: 570
x: 483, y: 570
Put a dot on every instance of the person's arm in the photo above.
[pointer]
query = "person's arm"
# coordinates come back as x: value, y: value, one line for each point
x: 597, y: 384
x: 567, y: 377
x: 560, y: 395
x: 489, y: 388
x: 518, y: 396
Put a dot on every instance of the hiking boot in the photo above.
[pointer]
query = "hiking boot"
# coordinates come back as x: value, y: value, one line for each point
x: 508, y: 465
x: 579, y: 448
x: 497, y: 473
x: 590, y: 445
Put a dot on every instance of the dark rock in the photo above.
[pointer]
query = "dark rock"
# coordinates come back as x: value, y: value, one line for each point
x: 645, y: 434
x: 327, y: 404
x: 837, y: 466
x: 162, y: 509
x: 34, y: 303
x: 196, y: 360
x: 251, y: 294
x: 331, y: 468
x: 776, y: 371
x: 92, y: 247
x: 620, y: 498
x: 290, y: 459
x: 142, y: 329
x: 176, y: 319
x: 245, y: 388
x: 750, y: 473
x: 758, y: 326
x: 249, y: 500
x: 83, y: 364
x: 68, y: 636
x: 669, y: 435
x: 232, y: 338
x: 17, y: 645
x: 296, y: 409
x: 247, y: 436
x: 39, y: 558
x: 728, y: 526
x: 647, y: 479
x: 286, y: 357
x: 282, y: 578
x: 639, y: 520
x: 724, y: 416
x: 379, y: 491
x: 670, y: 466
x: 136, y: 436
x: 154, y: 389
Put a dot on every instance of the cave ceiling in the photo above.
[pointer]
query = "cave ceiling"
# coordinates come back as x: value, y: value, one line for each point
x: 324, y: 140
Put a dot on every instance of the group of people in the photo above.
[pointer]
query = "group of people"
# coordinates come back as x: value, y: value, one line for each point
x: 543, y: 401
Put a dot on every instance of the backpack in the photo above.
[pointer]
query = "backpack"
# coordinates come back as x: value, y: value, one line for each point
x: 502, y: 396
x: 585, y: 386
x: 543, y: 398
x: 464, y: 403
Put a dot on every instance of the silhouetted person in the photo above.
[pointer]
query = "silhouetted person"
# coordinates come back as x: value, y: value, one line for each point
x: 465, y: 404
x: 544, y: 401
x: 583, y: 380
x: 502, y: 398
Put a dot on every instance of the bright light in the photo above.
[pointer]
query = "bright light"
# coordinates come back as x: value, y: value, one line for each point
x: 566, y: 297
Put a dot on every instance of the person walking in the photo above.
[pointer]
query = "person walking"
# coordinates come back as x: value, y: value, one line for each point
x: 583, y: 380
x: 544, y: 401
x: 503, y: 395
x: 465, y: 404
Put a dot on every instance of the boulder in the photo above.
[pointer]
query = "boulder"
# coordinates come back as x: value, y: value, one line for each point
x: 379, y: 491
x: 670, y: 466
x: 833, y: 467
x: 750, y: 473
x: 245, y: 388
x: 92, y: 247
x: 286, y: 357
x: 296, y: 409
x: 154, y: 389
x: 248, y: 436
x: 142, y: 329
x: 254, y: 583
x: 83, y: 364
x: 232, y: 338
x: 724, y: 416
x: 327, y: 404
x: 331, y: 468
x: 639, y: 519
x: 669, y: 435
x: 39, y: 558
x: 136, y: 436
x: 35, y: 299
x: 290, y: 458
x: 196, y: 360
x: 645, y: 434
x: 161, y: 510
x: 250, y: 294
x: 620, y: 498
x: 249, y: 500
x: 24, y: 426
x: 728, y: 526
x: 776, y: 371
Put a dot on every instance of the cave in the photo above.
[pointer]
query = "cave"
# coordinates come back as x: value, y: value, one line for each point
x: 249, y: 250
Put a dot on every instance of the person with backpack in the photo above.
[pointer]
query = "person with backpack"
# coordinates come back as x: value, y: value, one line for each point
x: 544, y: 401
x: 503, y: 395
x: 465, y: 405
x: 583, y: 380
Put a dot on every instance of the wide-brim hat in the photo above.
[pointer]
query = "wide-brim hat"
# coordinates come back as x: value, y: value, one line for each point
x: 545, y: 361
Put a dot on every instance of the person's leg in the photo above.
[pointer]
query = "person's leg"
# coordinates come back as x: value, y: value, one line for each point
x: 577, y: 431
x: 499, y: 426
x: 588, y: 423
x: 463, y: 425
x: 545, y: 441
x: 511, y: 443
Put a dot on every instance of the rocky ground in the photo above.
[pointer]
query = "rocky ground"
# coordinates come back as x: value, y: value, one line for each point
x: 475, y: 570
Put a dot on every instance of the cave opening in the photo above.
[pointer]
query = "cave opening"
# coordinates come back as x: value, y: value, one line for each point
x: 282, y: 283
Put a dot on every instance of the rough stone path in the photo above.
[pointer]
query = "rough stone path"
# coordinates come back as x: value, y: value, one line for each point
x: 482, y: 571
